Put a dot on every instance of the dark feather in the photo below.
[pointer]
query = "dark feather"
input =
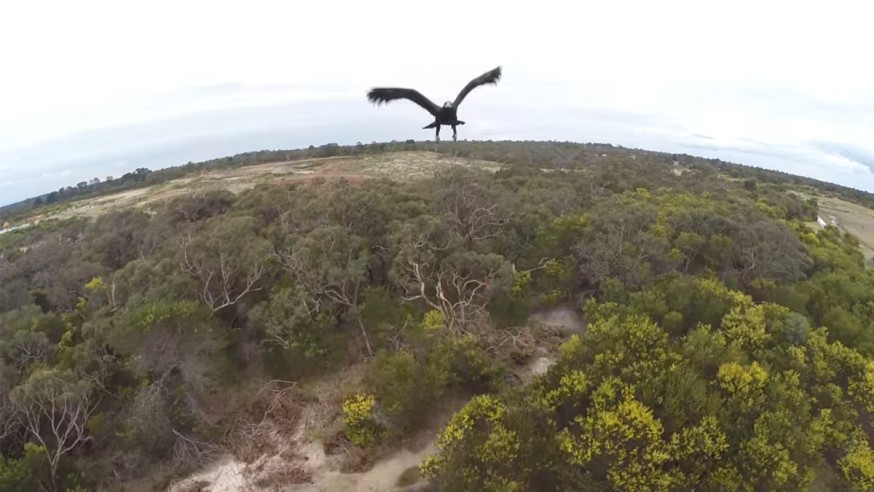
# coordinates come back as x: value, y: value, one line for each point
x: 490, y: 77
x: 385, y: 94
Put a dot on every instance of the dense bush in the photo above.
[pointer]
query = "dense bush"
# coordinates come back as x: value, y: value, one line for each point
x: 730, y: 345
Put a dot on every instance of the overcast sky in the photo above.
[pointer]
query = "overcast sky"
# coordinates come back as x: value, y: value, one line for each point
x: 98, y: 88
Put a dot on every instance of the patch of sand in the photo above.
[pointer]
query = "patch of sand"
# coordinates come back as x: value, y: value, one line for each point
x: 560, y: 317
x: 229, y: 474
x: 225, y: 475
x: 382, y: 477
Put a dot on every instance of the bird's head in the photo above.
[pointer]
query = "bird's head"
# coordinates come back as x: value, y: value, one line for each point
x: 447, y: 104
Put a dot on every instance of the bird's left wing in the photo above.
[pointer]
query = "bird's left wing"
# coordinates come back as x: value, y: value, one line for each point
x: 386, y: 94
x: 490, y: 77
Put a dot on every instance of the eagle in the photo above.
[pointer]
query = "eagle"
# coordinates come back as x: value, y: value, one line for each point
x: 446, y: 115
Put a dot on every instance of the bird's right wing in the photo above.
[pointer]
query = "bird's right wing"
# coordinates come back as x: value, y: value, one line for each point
x: 386, y: 94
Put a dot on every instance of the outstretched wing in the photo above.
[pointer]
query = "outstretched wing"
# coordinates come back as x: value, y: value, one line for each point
x: 385, y: 94
x: 490, y: 77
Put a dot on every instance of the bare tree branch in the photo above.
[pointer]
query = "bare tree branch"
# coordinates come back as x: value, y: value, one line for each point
x: 54, y: 409
x: 330, y: 264
x: 459, y: 292
x: 226, y: 269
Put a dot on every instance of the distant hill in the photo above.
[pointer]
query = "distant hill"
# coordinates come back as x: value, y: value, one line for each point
x: 541, y: 154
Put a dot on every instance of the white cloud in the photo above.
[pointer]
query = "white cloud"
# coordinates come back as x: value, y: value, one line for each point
x: 781, y: 73
x: 60, y: 174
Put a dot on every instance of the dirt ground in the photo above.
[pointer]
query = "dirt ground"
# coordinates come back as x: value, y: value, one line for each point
x: 561, y: 317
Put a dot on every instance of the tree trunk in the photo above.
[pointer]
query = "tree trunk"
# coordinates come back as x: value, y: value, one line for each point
x: 364, y: 335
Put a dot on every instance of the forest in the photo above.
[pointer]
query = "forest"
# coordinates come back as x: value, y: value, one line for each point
x: 729, y: 343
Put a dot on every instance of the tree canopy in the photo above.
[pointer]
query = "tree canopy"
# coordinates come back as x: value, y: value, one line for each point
x: 729, y: 345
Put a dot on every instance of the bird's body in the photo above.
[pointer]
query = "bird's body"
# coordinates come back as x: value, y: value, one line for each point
x: 446, y: 115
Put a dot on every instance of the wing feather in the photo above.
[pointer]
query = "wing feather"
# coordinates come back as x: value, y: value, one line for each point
x: 381, y: 95
x: 490, y: 77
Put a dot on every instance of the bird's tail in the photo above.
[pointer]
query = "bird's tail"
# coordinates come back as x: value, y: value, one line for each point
x: 432, y: 125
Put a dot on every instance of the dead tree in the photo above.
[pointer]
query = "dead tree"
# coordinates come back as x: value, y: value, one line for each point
x: 54, y: 407
x: 330, y: 264
x: 227, y: 269
x: 459, y: 287
x: 472, y: 209
x: 10, y: 423
x: 27, y: 347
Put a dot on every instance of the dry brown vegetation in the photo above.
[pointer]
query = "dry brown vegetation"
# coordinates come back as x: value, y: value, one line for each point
x: 269, y: 418
x: 396, y: 165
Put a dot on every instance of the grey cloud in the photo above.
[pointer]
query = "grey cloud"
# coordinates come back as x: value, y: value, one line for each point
x: 792, y: 103
x: 9, y: 184
x: 753, y: 150
x: 809, y: 161
x: 850, y: 152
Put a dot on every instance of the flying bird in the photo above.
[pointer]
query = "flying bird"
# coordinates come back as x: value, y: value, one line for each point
x: 446, y: 115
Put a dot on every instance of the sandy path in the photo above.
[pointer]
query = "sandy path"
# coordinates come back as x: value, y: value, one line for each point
x: 225, y: 475
x: 561, y: 317
x: 382, y: 477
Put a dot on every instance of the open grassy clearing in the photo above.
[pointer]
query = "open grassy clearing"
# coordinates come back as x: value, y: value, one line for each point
x: 395, y: 165
x: 849, y: 217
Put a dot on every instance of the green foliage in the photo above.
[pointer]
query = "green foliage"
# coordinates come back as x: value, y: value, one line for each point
x: 24, y: 474
x: 513, y: 307
x: 744, y: 386
x: 857, y: 465
x: 405, y: 387
x: 486, y: 448
x: 622, y: 436
x: 627, y: 409
x: 299, y: 339
x: 434, y: 321
x: 162, y: 337
x: 384, y: 316
x: 728, y: 346
x: 361, y: 427
x: 95, y: 424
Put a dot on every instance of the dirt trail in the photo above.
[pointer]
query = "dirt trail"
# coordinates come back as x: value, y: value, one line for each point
x: 225, y: 475
x: 561, y: 317
x: 382, y: 477
x: 229, y: 475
